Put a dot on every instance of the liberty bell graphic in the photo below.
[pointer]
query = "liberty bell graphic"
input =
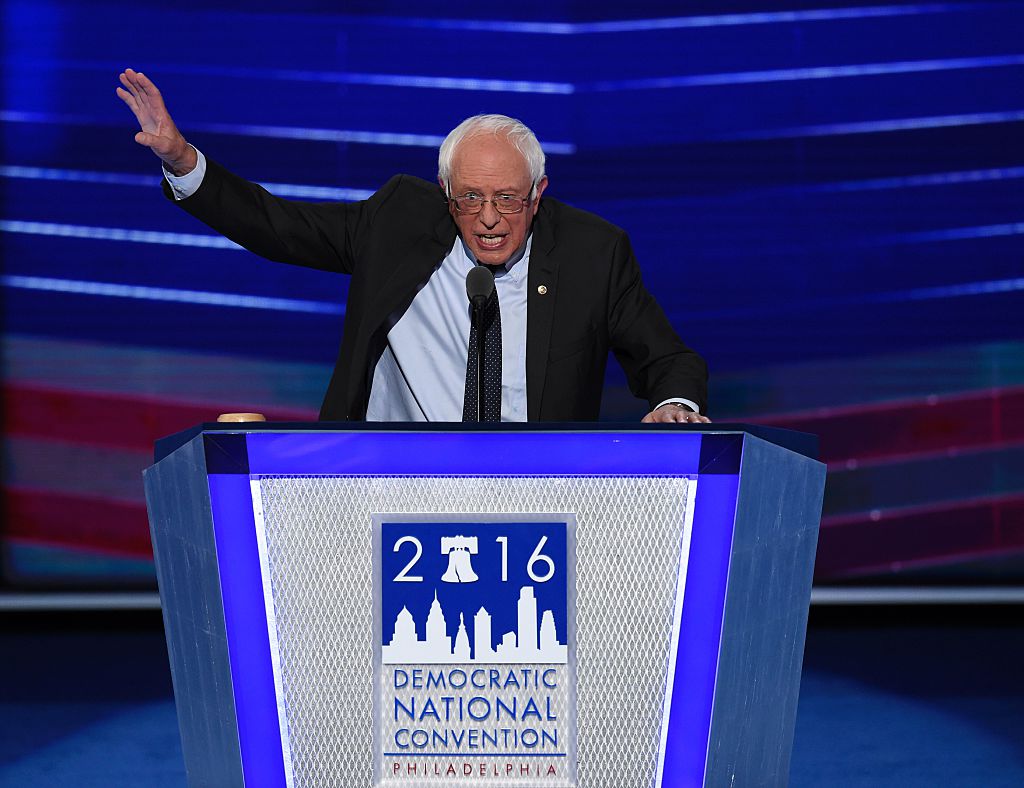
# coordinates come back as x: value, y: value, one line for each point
x: 460, y: 566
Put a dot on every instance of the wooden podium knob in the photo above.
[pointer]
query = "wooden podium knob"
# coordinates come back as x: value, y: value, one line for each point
x: 241, y: 417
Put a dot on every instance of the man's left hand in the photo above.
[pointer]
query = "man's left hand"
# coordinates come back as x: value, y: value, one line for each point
x: 671, y: 413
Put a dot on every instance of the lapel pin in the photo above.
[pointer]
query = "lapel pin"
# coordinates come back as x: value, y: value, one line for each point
x: 542, y: 289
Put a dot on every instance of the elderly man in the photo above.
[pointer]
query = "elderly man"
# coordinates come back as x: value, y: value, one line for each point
x: 567, y: 286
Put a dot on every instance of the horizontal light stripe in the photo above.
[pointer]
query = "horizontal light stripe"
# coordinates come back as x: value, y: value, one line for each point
x: 923, y: 595
x: 408, y: 81
x: 809, y: 73
x: 892, y: 183
x: 679, y: 22
x: 349, y: 136
x: 147, y: 293
x: 877, y: 126
x: 553, y: 148
x: 565, y: 88
x: 243, y: 129
x: 952, y: 291
x: 322, y: 135
x: 98, y: 600
x: 308, y: 192
x: 305, y: 191
x: 952, y: 234
x: 271, y: 132
x: 78, y: 176
x: 425, y: 81
x: 344, y: 194
x: 563, y: 148
x: 962, y: 290
x: 117, y: 234
x: 912, y: 181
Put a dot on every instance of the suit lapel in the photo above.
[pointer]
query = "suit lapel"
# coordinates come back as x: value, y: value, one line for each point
x: 401, y: 287
x: 540, y: 308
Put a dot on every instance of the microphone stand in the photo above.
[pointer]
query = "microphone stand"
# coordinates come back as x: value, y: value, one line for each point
x: 479, y: 288
x: 478, y: 320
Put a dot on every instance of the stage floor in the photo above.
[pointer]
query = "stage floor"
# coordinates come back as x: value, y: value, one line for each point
x: 903, y: 697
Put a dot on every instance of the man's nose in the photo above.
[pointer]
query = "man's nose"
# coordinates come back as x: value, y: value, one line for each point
x: 489, y: 216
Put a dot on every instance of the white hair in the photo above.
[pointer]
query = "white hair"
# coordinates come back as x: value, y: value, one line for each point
x: 517, y: 132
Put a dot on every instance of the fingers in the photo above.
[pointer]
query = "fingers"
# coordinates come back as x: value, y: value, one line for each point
x: 128, y: 99
x: 143, y: 98
x: 147, y: 86
x: 129, y: 80
x: 133, y: 95
x: 686, y: 417
x: 142, y: 89
x: 670, y: 414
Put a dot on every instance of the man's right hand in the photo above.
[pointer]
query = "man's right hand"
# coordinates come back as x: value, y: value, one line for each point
x: 159, y: 133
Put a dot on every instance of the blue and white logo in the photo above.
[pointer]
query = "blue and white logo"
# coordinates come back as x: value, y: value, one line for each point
x: 475, y: 667
x: 441, y: 611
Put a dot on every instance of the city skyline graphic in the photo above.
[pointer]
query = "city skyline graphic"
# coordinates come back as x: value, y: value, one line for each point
x: 533, y: 641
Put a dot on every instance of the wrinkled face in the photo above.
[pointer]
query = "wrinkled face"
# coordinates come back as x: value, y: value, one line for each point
x: 489, y: 165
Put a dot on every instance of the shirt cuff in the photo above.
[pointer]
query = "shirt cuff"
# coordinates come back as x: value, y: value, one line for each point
x: 680, y: 401
x: 188, y: 184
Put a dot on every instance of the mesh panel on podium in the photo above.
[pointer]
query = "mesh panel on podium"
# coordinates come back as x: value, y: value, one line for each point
x: 317, y: 538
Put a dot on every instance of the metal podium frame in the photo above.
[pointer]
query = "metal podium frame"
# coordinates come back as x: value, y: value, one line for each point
x: 732, y: 686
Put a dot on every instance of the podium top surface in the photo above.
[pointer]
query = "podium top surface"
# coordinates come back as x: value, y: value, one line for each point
x: 802, y: 443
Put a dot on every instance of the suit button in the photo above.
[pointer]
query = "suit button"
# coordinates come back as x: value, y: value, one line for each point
x: 543, y: 289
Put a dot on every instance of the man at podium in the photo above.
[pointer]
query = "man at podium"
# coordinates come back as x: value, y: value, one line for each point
x: 566, y: 285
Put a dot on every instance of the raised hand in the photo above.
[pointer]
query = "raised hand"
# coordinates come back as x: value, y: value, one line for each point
x: 159, y: 133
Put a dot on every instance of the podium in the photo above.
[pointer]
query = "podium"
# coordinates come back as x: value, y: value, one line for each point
x: 432, y: 605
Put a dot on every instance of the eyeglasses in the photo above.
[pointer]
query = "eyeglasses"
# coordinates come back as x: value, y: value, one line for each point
x: 471, y: 203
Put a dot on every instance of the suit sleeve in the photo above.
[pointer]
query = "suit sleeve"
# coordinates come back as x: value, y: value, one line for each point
x: 315, y: 235
x: 658, y: 365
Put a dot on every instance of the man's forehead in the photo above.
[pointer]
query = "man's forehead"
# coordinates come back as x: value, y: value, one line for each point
x: 490, y: 155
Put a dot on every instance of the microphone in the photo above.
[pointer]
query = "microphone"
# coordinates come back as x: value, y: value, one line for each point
x: 479, y: 285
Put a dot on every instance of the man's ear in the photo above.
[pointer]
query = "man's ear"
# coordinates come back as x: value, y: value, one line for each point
x: 444, y: 190
x: 542, y: 184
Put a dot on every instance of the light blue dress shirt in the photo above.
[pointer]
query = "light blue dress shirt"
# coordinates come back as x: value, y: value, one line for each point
x: 421, y: 375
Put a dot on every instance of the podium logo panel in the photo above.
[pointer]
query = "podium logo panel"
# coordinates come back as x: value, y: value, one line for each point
x: 476, y: 664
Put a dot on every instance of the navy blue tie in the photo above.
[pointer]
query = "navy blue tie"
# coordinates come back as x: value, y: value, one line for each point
x: 492, y: 364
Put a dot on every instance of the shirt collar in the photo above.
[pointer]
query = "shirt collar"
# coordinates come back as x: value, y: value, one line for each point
x: 514, y: 268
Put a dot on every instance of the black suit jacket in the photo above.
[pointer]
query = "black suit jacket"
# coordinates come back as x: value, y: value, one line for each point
x: 585, y: 292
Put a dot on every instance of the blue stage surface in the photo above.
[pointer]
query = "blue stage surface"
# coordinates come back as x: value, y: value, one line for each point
x: 911, y: 697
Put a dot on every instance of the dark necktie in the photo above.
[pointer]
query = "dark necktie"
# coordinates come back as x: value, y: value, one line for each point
x: 492, y: 364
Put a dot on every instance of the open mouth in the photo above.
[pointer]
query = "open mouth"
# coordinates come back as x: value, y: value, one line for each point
x: 490, y: 240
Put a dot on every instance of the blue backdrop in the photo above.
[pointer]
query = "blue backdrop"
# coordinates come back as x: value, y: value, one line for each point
x: 827, y: 198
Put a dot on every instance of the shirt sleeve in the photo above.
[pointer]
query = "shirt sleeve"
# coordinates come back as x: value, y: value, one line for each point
x: 680, y: 401
x: 186, y: 185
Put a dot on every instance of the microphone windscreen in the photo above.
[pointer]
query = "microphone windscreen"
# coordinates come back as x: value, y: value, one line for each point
x: 479, y: 284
